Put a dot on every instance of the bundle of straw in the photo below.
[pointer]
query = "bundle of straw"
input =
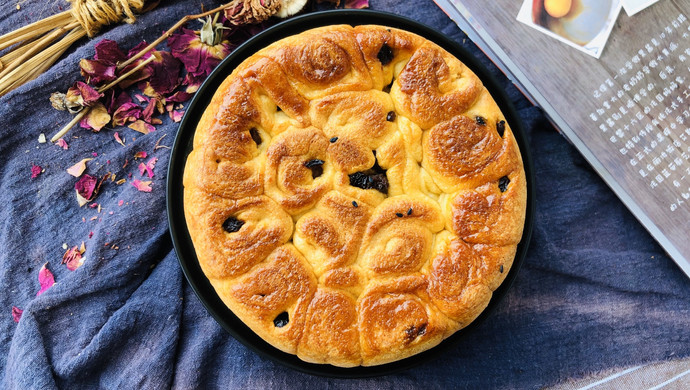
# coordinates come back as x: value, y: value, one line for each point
x: 36, y: 47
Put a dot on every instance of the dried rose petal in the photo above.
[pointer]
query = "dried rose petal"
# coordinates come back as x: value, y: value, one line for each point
x: 88, y: 95
x: 136, y: 49
x: 112, y: 103
x: 35, y: 171
x: 96, y: 72
x: 73, y: 258
x: 165, y: 72
x: 200, y: 54
x: 176, y: 116
x: 142, y: 98
x: 17, y: 313
x: 140, y: 154
x: 108, y: 52
x: 143, y: 186
x: 148, y: 167
x: 45, y: 279
x: 77, y: 169
x: 127, y: 112
x: 86, y: 189
x: 357, y: 4
x: 141, y: 127
x: 96, y: 118
x: 149, y: 110
x: 62, y: 143
x: 118, y: 139
x: 192, y: 84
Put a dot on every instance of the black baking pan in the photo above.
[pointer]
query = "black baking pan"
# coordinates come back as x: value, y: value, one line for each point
x: 183, y: 146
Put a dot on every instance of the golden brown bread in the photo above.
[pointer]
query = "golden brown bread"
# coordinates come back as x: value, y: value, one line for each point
x: 354, y: 195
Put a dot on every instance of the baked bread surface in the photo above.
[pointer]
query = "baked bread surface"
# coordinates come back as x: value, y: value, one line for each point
x: 354, y: 194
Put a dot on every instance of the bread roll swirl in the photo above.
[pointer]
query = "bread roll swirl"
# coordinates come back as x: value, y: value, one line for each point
x: 354, y: 194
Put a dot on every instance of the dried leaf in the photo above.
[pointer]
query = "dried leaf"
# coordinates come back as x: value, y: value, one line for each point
x: 45, y: 279
x: 77, y: 169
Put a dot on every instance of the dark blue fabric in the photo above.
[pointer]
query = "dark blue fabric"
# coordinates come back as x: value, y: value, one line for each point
x: 595, y: 292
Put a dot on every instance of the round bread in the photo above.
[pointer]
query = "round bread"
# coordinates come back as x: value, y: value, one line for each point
x: 354, y: 194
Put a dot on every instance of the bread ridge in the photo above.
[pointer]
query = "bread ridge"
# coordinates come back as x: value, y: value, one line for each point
x: 433, y: 205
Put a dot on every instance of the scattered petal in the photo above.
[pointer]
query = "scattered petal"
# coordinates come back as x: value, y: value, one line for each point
x: 141, y: 98
x: 85, y: 189
x: 45, y: 279
x: 140, y: 154
x: 83, y: 94
x: 176, y: 116
x: 141, y: 126
x: 96, y: 118
x: 16, y: 313
x: 62, y: 143
x: 41, y: 138
x: 149, y: 110
x: 73, y: 258
x: 35, y: 171
x: 165, y: 71
x: 118, y: 139
x: 150, y: 165
x: 143, y: 186
x: 96, y: 72
x: 112, y: 103
x: 108, y: 52
x: 201, y: 53
x: 121, y: 202
x: 127, y: 112
x: 77, y: 169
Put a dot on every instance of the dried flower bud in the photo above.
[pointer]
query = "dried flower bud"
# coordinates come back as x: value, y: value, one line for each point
x: 252, y: 11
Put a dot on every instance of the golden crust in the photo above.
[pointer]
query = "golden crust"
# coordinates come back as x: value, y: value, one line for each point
x: 354, y: 195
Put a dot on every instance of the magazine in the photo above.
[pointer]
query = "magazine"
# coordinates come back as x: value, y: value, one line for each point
x: 614, y: 77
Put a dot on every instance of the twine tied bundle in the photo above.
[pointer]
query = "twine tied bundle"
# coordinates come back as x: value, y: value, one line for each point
x: 36, y: 47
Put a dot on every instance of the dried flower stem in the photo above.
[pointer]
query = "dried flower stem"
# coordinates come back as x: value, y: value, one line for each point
x: 172, y: 29
x: 124, y: 76
x: 85, y: 110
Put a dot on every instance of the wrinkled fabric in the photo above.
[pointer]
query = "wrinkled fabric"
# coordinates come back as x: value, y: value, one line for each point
x: 595, y: 291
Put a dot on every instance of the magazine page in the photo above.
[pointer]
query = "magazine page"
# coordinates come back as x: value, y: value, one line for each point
x: 615, y: 83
